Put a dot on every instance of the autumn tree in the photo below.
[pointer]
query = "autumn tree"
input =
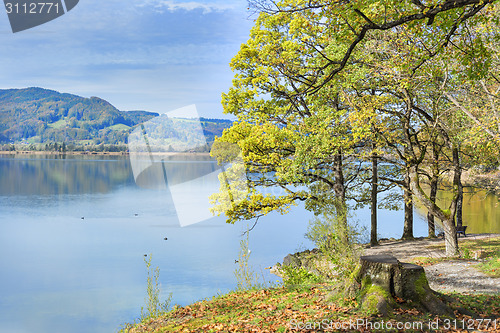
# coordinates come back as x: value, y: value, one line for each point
x: 474, y: 95
x: 299, y: 120
x: 303, y: 145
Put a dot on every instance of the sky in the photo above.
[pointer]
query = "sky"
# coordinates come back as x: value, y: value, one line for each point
x: 153, y: 55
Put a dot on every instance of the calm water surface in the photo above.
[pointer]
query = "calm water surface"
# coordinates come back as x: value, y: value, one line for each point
x: 62, y: 273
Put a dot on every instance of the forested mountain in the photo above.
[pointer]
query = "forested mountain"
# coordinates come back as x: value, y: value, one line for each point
x: 43, y: 117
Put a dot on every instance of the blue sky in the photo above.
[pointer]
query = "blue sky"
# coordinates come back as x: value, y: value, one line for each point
x: 154, y: 55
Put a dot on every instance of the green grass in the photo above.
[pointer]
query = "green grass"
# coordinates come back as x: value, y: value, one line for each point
x: 491, y: 266
x: 425, y: 261
x: 243, y: 311
x: 488, y: 247
x: 274, y: 309
x: 485, y: 251
x: 119, y: 127
x: 63, y: 122
x: 58, y: 124
x: 489, y: 305
x: 154, y: 307
x: 33, y: 139
x: 470, y: 247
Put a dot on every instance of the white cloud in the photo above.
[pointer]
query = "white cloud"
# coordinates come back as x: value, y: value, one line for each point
x: 124, y: 52
x: 172, y: 6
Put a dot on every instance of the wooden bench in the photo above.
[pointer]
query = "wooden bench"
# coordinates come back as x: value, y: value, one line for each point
x: 461, y: 230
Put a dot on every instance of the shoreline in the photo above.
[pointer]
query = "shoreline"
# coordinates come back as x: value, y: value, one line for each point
x: 457, y: 282
x: 86, y: 153
x: 475, y: 178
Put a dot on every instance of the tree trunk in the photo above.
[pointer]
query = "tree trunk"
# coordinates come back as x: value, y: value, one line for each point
x: 450, y: 237
x: 431, y: 226
x: 373, y: 234
x: 339, y: 190
x: 408, y: 223
x: 338, y: 186
x: 460, y: 199
x: 432, y: 197
x: 448, y: 216
x: 450, y: 232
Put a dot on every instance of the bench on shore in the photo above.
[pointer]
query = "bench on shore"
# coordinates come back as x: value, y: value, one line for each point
x: 461, y: 230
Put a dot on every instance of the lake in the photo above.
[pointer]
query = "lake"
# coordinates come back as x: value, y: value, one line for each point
x: 74, y: 231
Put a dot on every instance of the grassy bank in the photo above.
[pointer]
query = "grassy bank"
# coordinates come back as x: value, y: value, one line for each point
x: 306, y: 307
x: 284, y: 310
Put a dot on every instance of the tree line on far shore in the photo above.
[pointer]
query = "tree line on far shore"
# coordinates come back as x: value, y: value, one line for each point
x: 37, y: 119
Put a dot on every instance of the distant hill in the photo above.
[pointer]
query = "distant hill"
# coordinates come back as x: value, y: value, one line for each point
x: 41, y: 117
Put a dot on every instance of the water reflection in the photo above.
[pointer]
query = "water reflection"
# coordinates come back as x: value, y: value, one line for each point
x: 74, y: 275
x: 172, y: 171
x: 64, y: 274
x: 62, y: 174
x: 481, y: 210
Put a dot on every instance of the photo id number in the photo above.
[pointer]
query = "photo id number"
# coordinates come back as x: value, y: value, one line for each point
x: 32, y: 8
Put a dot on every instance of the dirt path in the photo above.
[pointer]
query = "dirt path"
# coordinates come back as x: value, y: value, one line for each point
x: 449, y: 276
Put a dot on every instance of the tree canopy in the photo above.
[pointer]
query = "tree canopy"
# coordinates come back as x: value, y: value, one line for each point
x: 321, y: 86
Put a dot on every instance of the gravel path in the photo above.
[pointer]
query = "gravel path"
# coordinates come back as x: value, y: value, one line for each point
x: 461, y: 277
x: 449, y: 276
